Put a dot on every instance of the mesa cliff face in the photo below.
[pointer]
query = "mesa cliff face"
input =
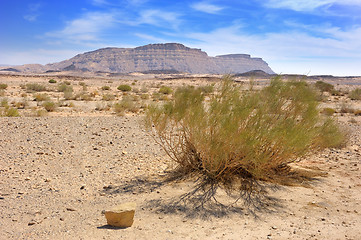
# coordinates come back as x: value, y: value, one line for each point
x: 169, y: 56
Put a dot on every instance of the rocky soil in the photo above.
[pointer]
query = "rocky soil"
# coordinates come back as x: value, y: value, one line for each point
x: 59, y: 172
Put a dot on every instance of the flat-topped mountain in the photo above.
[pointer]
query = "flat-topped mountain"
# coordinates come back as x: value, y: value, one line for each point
x: 155, y: 57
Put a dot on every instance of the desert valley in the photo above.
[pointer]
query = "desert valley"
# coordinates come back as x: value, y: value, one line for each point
x: 73, y: 143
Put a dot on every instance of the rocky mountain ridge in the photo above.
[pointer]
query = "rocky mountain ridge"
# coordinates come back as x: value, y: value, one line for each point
x: 159, y: 57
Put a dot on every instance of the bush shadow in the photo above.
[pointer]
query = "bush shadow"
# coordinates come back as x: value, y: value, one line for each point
x: 203, y: 200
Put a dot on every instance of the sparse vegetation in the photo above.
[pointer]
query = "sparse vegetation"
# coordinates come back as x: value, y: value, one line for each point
x: 165, y: 90
x: 237, y: 137
x: 105, y: 88
x: 328, y: 111
x: 355, y: 94
x: 324, y: 87
x: 9, y: 112
x: 108, y: 97
x: 63, y: 87
x: 345, y: 108
x: 124, y: 88
x: 125, y: 105
x: 39, y: 97
x: 49, y: 106
x: 3, y: 86
x: 35, y: 87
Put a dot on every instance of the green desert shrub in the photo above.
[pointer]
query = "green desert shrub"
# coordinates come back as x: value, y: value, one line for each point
x: 241, y: 135
x: 126, y: 105
x: 3, y: 86
x: 165, y: 90
x: 328, y: 111
x: 64, y: 87
x: 9, y: 112
x: 35, y: 87
x: 207, y: 89
x: 49, y: 106
x: 355, y: 94
x: 324, y: 87
x: 105, y: 88
x: 124, y: 88
x: 52, y: 81
x: 39, y: 97
x: 108, y: 97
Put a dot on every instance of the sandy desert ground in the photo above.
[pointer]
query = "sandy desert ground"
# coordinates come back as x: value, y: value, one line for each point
x: 59, y: 170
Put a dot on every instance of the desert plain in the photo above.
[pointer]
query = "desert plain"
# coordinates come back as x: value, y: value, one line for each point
x: 62, y: 165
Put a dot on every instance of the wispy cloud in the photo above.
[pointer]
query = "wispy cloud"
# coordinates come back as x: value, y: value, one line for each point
x: 207, y: 7
x: 33, y: 12
x: 308, y: 5
x: 280, y: 50
x: 86, y: 28
x: 159, y: 18
x: 150, y: 38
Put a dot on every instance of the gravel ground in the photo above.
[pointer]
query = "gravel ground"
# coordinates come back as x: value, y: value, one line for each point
x: 58, y: 173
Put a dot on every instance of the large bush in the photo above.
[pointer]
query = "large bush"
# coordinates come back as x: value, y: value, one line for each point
x: 241, y: 135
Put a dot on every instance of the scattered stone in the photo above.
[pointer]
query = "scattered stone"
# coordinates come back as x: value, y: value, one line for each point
x: 70, y: 209
x: 121, y: 215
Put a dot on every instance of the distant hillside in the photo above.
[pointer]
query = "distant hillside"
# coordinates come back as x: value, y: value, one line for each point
x: 168, y: 57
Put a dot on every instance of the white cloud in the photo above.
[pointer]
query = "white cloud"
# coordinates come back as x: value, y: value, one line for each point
x: 308, y: 5
x: 86, y: 28
x: 33, y: 12
x: 150, y: 37
x: 158, y: 18
x: 295, y: 51
x: 206, y: 7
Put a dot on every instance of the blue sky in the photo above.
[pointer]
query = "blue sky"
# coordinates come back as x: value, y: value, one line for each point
x: 293, y: 36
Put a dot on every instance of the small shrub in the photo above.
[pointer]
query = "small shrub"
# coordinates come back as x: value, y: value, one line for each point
x: 144, y: 89
x: 83, y: 97
x: 345, y: 108
x: 165, y: 90
x: 144, y: 96
x: 355, y: 94
x: 4, y: 103
x: 124, y: 88
x: 2, y: 93
x: 328, y: 111
x: 67, y: 83
x: 68, y: 95
x: 52, y: 81
x: 105, y: 88
x: 108, y: 97
x: 324, y: 87
x: 63, y: 87
x: 22, y: 104
x: 11, y: 112
x: 236, y: 137
x: 39, y: 97
x: 35, y: 87
x: 125, y: 105
x: 85, y: 87
x: 49, y: 106
x: 101, y: 106
x: 39, y: 112
x: 208, y: 89
x: 3, y: 86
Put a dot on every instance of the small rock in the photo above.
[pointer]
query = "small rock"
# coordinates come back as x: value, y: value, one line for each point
x: 124, y: 152
x: 32, y: 222
x: 70, y: 209
x: 27, y: 178
x: 121, y: 215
